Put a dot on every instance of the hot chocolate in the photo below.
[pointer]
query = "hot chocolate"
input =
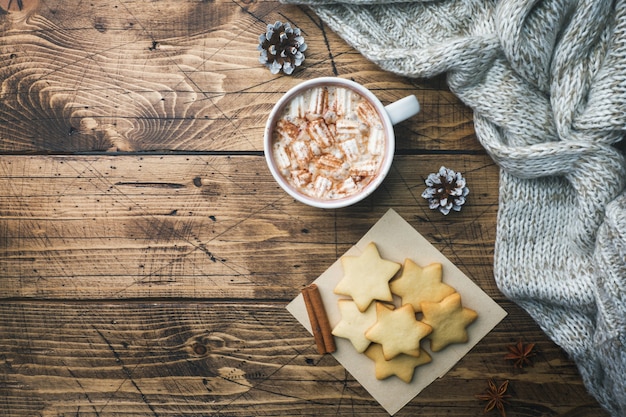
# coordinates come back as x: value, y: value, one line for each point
x: 329, y: 142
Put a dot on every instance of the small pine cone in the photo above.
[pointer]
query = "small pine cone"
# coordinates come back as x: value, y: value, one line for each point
x: 446, y: 190
x: 282, y: 48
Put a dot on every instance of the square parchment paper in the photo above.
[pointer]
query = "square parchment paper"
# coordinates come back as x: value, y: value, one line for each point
x: 397, y: 240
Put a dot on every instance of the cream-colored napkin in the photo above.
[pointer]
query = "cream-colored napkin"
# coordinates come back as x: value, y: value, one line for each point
x: 397, y: 240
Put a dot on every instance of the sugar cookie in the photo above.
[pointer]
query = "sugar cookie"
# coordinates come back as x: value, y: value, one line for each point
x: 449, y: 320
x: 397, y: 331
x: 353, y: 323
x: 416, y: 284
x: 366, y: 277
x: 402, y: 366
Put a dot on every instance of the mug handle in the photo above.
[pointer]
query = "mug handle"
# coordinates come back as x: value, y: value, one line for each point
x: 402, y: 109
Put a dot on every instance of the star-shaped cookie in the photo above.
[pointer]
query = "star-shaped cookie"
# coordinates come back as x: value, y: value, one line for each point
x: 416, y: 284
x: 366, y: 277
x: 449, y: 320
x: 397, y: 331
x: 402, y: 366
x: 354, y: 324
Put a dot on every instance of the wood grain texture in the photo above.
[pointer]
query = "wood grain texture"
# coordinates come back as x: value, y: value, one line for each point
x: 234, y: 359
x: 171, y: 75
x: 146, y: 254
x: 206, y: 226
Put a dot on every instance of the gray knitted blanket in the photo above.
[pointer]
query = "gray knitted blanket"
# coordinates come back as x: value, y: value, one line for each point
x: 547, y: 82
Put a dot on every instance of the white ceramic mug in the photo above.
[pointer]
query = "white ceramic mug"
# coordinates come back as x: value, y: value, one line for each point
x: 388, y: 116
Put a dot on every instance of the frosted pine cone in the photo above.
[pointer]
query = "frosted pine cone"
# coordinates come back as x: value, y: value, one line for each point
x: 446, y: 190
x: 282, y: 48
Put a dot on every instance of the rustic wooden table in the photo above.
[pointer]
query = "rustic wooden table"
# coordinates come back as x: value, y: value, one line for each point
x: 147, y: 255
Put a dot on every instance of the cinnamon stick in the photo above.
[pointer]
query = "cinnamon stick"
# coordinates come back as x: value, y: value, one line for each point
x: 319, y: 320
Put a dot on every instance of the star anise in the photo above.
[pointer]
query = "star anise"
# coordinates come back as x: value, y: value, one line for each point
x: 520, y: 353
x: 495, y: 396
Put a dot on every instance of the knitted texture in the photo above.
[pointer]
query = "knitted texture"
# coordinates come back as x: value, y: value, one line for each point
x: 547, y: 82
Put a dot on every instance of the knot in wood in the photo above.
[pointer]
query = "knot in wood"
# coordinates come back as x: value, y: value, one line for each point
x: 199, y: 349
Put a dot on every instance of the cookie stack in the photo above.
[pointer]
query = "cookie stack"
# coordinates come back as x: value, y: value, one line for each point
x: 392, y: 307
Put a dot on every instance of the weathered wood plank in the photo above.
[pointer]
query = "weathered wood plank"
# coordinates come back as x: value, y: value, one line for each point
x: 174, y: 75
x: 207, y: 226
x: 238, y: 360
